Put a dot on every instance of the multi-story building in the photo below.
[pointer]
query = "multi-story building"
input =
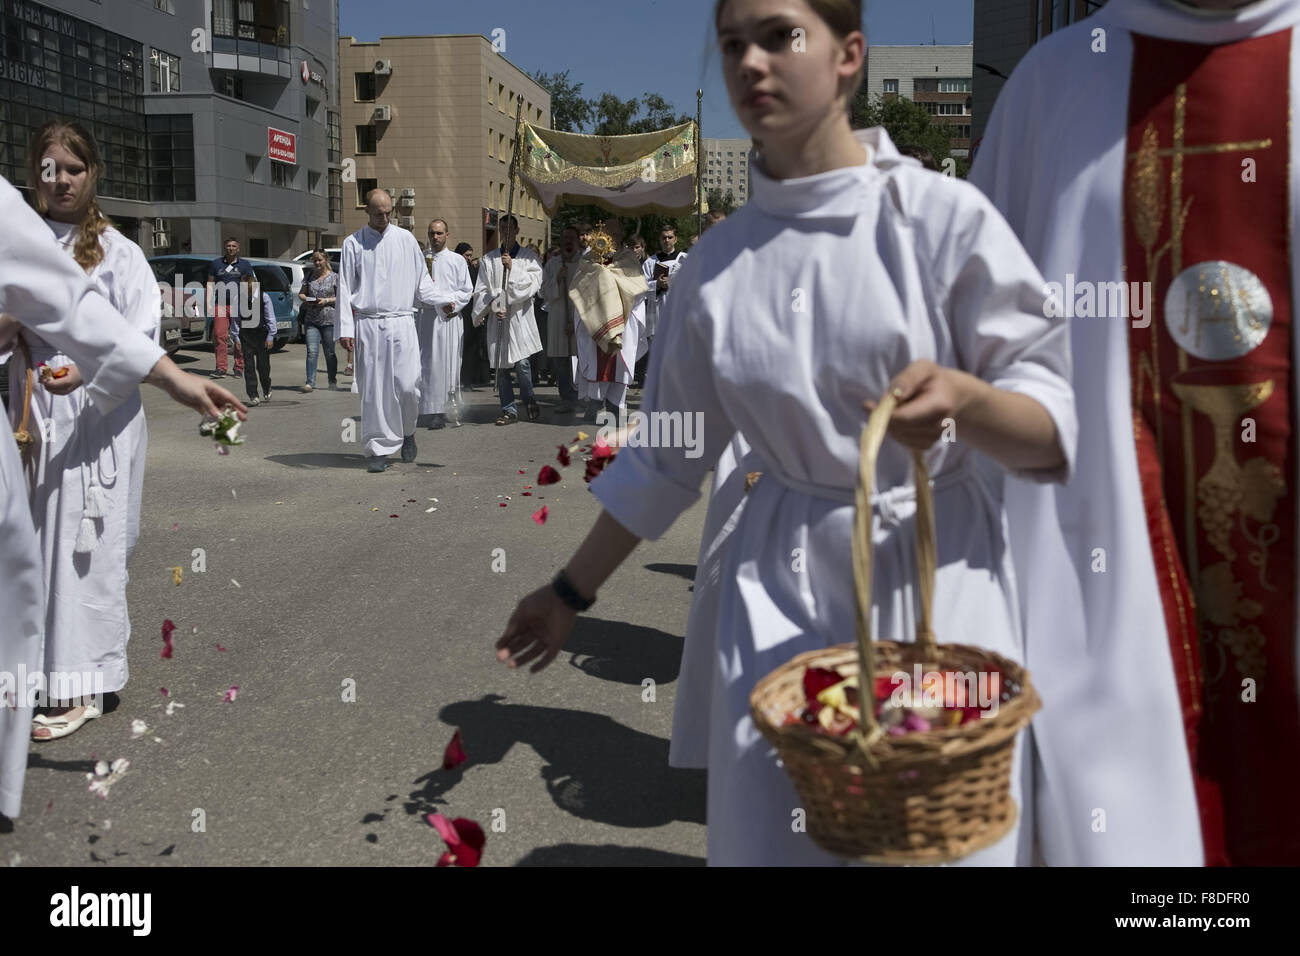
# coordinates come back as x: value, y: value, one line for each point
x: 432, y: 120
x: 936, y: 77
x: 212, y: 116
x: 1004, y: 32
x: 726, y: 167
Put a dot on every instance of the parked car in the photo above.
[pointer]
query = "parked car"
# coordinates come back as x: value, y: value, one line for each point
x: 335, y: 257
x: 296, y: 270
x: 192, y: 271
x: 169, y: 333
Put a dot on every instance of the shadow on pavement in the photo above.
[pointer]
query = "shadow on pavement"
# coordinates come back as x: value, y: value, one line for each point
x: 595, y: 768
x: 320, y: 460
x: 624, y: 653
x: 686, y: 571
x: 576, y: 854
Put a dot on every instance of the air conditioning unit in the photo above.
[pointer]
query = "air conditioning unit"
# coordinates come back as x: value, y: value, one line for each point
x: 407, y: 202
x: 382, y: 114
x: 406, y: 222
x: 408, y: 193
x: 383, y: 67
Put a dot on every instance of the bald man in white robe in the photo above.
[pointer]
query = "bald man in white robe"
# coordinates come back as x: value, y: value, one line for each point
x: 382, y: 279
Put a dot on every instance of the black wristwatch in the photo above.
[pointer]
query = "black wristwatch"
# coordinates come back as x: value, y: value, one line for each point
x: 567, y: 593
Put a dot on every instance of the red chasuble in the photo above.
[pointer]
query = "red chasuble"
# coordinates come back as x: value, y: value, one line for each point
x: 1206, y: 223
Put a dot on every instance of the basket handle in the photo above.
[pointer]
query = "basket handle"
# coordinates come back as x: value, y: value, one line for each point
x: 926, y: 558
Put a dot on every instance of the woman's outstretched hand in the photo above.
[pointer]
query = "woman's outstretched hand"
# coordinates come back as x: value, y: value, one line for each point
x: 539, y: 627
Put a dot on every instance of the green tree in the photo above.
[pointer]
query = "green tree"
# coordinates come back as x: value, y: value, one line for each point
x: 908, y: 124
x: 717, y: 200
x: 569, y: 111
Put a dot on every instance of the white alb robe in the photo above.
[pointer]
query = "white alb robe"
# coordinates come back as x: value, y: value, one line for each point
x: 942, y: 278
x: 1116, y: 673
x: 77, y: 450
x: 525, y: 280
x: 42, y: 287
x: 382, y: 278
x: 442, y: 336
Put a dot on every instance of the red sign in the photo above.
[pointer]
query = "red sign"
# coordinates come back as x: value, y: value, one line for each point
x: 306, y: 71
x: 282, y: 146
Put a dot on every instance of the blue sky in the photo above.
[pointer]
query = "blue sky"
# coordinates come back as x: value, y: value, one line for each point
x: 632, y: 46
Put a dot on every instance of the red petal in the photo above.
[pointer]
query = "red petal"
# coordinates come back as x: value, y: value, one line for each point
x: 503, y: 504
x: 446, y: 860
x: 164, y: 691
x: 392, y: 516
x: 540, y: 515
x: 816, y: 680
x: 472, y: 840
x: 601, y: 450
x: 220, y: 648
x: 455, y: 753
x: 548, y: 476
x: 521, y: 471
x: 526, y: 494
x: 167, y: 629
x: 563, y: 456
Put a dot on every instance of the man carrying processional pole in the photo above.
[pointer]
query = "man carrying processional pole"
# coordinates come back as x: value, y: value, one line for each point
x: 508, y: 278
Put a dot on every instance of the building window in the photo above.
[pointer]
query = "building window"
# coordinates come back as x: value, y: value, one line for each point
x: 312, y: 106
x: 364, y: 187
x: 335, y: 136
x: 165, y: 6
x: 282, y: 174
x: 501, y: 97
x: 336, y: 195
x: 366, y: 140
x: 252, y: 162
x: 261, y: 21
x: 501, y: 146
x: 890, y: 86
x: 953, y: 109
x: 165, y: 71
x: 365, y: 88
x: 171, y: 157
x: 232, y: 86
x: 491, y: 100
x: 313, y: 182
x: 954, y: 86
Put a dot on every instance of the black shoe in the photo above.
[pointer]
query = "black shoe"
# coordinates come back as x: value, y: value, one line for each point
x: 408, y: 447
x: 439, y: 421
x: 376, y: 464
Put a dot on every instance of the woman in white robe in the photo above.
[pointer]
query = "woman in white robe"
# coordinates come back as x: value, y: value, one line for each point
x: 906, y: 281
x: 87, y: 467
x: 42, y: 289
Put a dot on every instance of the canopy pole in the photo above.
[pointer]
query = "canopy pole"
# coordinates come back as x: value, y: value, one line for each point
x: 699, y: 165
x: 503, y: 324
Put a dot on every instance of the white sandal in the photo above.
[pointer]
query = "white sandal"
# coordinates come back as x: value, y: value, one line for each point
x: 60, y: 726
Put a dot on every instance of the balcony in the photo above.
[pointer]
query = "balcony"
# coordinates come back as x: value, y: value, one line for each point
x: 251, y: 36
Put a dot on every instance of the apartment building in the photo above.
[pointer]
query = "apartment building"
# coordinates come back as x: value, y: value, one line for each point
x: 936, y: 77
x: 432, y: 120
x: 726, y: 167
x: 212, y: 116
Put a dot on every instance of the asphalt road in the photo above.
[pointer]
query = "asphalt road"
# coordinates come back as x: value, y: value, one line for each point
x: 347, y: 580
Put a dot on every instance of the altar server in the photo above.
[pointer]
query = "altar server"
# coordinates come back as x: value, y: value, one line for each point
x: 956, y: 331
x: 44, y: 290
x: 382, y: 278
x: 87, y: 467
x: 440, y: 330
x: 512, y: 307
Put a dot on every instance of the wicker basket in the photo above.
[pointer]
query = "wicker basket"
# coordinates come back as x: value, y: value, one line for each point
x: 923, y: 797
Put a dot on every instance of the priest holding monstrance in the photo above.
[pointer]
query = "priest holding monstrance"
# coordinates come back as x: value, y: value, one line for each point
x: 608, y: 293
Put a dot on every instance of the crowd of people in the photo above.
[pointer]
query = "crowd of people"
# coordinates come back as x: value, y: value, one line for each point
x: 1089, y: 525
